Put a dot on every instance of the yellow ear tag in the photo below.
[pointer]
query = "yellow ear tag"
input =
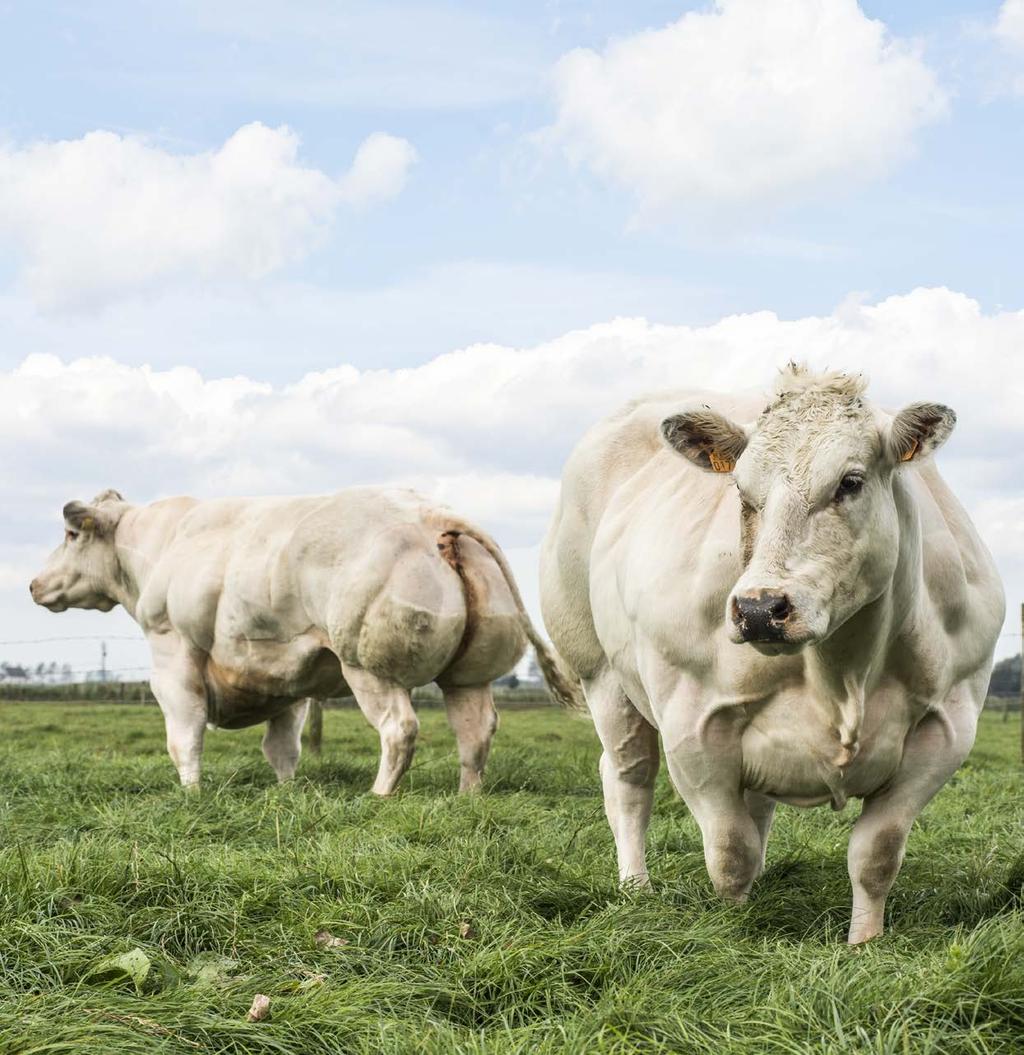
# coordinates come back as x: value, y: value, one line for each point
x: 910, y: 453
x: 87, y: 523
x: 719, y: 463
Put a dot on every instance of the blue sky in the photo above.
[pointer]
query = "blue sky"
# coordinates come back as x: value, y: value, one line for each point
x: 512, y: 210
x: 468, y: 85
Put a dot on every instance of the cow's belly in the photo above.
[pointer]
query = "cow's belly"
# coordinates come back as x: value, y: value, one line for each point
x: 796, y: 757
x: 250, y: 681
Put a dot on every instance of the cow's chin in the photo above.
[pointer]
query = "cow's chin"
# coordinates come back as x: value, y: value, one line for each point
x: 61, y: 603
x: 97, y: 604
x: 779, y: 648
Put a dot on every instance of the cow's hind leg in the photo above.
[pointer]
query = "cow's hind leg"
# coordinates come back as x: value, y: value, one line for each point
x: 282, y: 742
x: 629, y: 765
x: 388, y: 708
x: 473, y: 720
x: 316, y: 725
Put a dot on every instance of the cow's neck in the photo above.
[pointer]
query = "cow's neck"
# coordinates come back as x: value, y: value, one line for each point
x: 845, y: 668
x: 138, y: 542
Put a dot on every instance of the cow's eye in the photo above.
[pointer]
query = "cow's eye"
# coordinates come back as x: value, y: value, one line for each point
x: 849, y: 485
x: 70, y: 535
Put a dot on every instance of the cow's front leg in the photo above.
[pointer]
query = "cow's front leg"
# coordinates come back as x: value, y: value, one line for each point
x: 388, y: 708
x: 177, y: 684
x: 282, y: 742
x: 762, y: 809
x: 629, y: 766
x: 705, y: 764
x: 933, y: 752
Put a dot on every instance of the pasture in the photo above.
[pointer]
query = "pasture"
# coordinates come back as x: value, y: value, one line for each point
x: 469, y: 924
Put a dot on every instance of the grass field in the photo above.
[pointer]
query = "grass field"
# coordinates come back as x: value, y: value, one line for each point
x: 482, y: 924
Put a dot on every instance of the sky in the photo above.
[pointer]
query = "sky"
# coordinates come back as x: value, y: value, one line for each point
x: 282, y: 248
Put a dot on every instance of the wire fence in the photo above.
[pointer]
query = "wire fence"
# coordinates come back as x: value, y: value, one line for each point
x: 139, y: 692
x: 105, y: 683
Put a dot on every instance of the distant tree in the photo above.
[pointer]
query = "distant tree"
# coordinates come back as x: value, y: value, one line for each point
x: 1005, y: 677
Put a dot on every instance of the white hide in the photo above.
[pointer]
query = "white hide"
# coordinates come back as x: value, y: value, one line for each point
x: 682, y: 507
x: 252, y: 605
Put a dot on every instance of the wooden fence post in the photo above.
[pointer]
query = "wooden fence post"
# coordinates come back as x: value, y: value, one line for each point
x: 1022, y: 681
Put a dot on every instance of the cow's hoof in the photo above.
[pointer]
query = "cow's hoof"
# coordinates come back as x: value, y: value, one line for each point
x: 640, y: 883
x: 861, y: 937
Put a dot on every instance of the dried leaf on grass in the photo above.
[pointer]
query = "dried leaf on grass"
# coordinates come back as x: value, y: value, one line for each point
x: 260, y: 1008
x: 326, y: 940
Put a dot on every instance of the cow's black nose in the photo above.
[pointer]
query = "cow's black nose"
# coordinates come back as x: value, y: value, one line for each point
x: 761, y: 616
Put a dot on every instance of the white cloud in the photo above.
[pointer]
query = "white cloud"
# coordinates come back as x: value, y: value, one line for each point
x: 107, y: 214
x: 1008, y: 30
x: 1009, y: 27
x: 485, y: 428
x: 378, y: 171
x: 749, y: 100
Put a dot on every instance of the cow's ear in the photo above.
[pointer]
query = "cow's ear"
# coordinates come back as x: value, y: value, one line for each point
x: 79, y: 517
x: 709, y: 440
x: 917, y: 430
x: 91, y: 520
x: 109, y: 495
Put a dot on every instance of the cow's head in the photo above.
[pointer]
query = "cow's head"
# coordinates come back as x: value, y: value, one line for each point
x: 819, y: 527
x: 83, y: 571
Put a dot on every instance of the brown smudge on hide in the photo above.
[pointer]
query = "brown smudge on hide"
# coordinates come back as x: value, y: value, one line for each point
x: 883, y: 863
x: 240, y: 697
x: 735, y: 865
x: 448, y: 547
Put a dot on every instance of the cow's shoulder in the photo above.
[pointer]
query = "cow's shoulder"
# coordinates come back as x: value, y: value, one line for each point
x: 963, y: 603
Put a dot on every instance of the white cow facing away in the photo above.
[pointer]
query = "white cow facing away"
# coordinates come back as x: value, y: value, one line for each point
x: 788, y: 593
x: 250, y: 605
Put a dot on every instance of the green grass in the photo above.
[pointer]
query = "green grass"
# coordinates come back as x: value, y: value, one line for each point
x: 102, y: 854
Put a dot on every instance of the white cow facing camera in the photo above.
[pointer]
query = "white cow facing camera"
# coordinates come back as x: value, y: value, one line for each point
x: 787, y: 592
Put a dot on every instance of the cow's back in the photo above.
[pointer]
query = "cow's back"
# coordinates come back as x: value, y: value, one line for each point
x: 276, y: 590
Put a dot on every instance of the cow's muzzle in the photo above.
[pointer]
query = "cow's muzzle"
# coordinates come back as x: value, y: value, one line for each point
x: 53, y: 599
x: 762, y: 616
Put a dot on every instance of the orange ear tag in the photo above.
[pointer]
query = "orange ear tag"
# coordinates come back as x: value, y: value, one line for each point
x: 910, y: 453
x: 87, y: 523
x: 719, y: 463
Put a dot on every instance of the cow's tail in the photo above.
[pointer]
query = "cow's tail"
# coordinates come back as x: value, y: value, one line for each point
x: 562, y: 683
